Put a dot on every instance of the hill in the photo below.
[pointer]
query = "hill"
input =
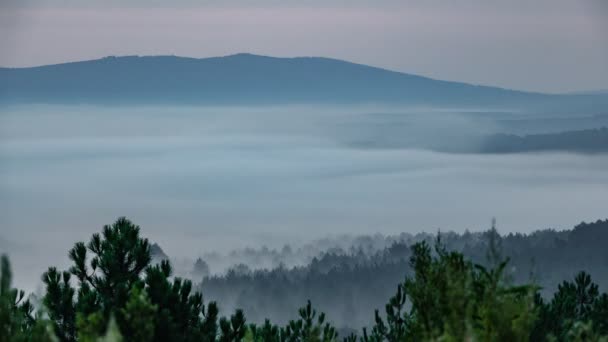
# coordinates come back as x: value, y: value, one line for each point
x: 249, y: 79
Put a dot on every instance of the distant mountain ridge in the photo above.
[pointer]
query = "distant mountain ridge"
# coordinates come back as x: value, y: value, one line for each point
x: 246, y: 79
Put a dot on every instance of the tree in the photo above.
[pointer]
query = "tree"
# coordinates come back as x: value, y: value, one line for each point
x: 233, y: 330
x: 576, y: 308
x: 182, y: 315
x: 455, y: 300
x: 59, y: 303
x: 105, y: 278
x: 115, y: 279
x: 397, y: 317
x: 119, y: 257
x: 17, y: 321
x: 120, y: 296
x: 140, y: 316
x: 265, y: 333
x: 200, y: 269
x: 309, y: 327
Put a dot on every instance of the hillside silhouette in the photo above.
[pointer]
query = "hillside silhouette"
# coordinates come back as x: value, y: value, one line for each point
x: 249, y: 79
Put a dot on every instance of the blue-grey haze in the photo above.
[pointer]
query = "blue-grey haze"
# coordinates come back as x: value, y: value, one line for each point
x: 199, y: 179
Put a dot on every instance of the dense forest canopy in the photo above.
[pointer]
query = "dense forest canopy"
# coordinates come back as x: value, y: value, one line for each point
x: 348, y: 279
x: 114, y: 291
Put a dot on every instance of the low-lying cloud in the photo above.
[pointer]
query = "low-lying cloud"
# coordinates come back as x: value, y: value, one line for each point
x: 208, y: 179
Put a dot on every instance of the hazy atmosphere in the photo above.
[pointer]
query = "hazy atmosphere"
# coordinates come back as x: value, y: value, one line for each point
x: 202, y: 179
x: 318, y: 171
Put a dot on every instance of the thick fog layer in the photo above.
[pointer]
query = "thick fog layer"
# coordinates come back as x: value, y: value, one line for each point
x: 199, y: 180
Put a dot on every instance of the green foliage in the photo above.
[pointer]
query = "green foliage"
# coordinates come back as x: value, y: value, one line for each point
x: 397, y: 317
x: 118, y: 258
x: 576, y: 307
x: 117, y: 280
x: 119, y: 296
x: 453, y: 300
x: 233, y: 329
x: 599, y: 314
x: 265, y: 333
x: 90, y: 327
x: 140, y: 316
x: 310, y: 327
x: 17, y: 322
x: 182, y: 315
x: 351, y: 282
x: 93, y: 329
x: 59, y: 302
x: 584, y: 332
x: 112, y: 334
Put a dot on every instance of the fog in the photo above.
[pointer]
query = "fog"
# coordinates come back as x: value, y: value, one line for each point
x: 199, y: 180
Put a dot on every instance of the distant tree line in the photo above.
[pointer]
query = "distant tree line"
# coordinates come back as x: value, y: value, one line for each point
x: 588, y: 140
x: 347, y: 283
x: 112, y: 292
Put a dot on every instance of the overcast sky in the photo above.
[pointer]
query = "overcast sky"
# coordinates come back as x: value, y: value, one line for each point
x: 543, y: 45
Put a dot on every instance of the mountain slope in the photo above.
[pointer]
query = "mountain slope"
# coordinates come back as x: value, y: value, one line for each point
x: 242, y: 79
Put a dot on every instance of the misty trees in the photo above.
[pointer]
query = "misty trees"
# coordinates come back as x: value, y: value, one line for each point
x: 311, y: 326
x: 116, y: 281
x: 105, y: 278
x: 587, y: 140
x: 181, y: 315
x: 349, y: 284
x: 113, y: 293
x: 17, y: 320
x: 452, y: 299
x: 200, y: 269
x: 573, y: 303
x: 59, y: 303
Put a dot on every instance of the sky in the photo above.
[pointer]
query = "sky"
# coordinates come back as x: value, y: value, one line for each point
x: 542, y: 45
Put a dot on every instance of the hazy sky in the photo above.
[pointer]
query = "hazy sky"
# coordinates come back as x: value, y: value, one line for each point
x: 545, y: 45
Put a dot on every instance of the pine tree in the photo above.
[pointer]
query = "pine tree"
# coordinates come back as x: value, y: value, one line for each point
x: 17, y: 321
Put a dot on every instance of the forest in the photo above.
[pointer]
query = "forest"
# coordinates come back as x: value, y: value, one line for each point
x: 349, y: 277
x: 587, y: 141
x: 114, y: 292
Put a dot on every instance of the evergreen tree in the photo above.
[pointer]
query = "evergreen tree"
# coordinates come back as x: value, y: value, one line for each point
x: 116, y: 280
x: 17, y: 321
x: 265, y: 333
x: 59, y: 303
x: 454, y: 300
x: 120, y: 296
x: 310, y: 327
x: 576, y: 306
x: 140, y: 316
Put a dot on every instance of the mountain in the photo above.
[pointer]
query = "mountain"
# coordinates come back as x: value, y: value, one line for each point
x: 590, y: 92
x: 247, y: 79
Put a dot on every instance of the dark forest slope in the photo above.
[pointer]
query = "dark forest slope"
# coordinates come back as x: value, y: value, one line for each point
x: 349, y: 284
x: 590, y: 141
